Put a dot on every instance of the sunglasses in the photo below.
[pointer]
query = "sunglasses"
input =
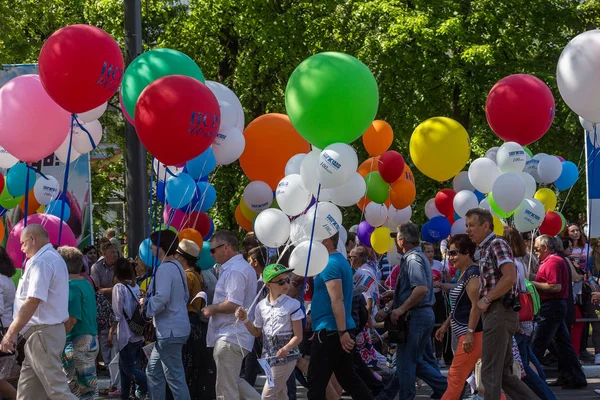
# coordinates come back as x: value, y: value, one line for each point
x: 282, y: 281
x: 453, y: 253
x: 214, y: 249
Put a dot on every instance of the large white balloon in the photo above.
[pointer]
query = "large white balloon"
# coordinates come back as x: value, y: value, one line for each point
x: 464, y: 201
x: 431, y: 210
x: 337, y: 163
x: 461, y: 182
x: 46, y: 189
x: 511, y: 157
x: 7, y: 160
x: 508, y: 191
x: 482, y: 174
x: 341, y: 246
x: 272, y: 227
x: 549, y: 169
x: 587, y: 125
x: 398, y: 217
x: 376, y: 214
x: 349, y: 193
x: 531, y: 169
x: 228, y: 145
x: 577, y: 75
x: 459, y: 227
x: 224, y: 94
x: 292, y: 197
x: 229, y: 115
x: 319, y: 256
x: 529, y: 215
x: 492, y: 153
x: 394, y: 258
x: 308, y: 171
x: 81, y: 140
x: 530, y: 185
x: 293, y: 164
x: 93, y: 114
x: 297, y: 230
x: 328, y: 220
x: 258, y: 196
x: 485, y: 204
x: 63, y: 150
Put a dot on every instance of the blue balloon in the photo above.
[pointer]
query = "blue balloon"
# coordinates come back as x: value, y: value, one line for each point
x: 480, y: 196
x: 16, y: 179
x: 202, y: 165
x: 160, y: 191
x: 180, y: 190
x: 205, y: 197
x: 145, y: 252
x: 55, y: 207
x: 205, y: 261
x: 568, y: 176
x: 436, y: 229
x: 425, y: 233
x: 210, y: 231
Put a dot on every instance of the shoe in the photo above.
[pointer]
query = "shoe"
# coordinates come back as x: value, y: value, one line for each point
x: 559, y: 382
x: 586, y: 355
x: 115, y: 393
x: 597, y: 391
x: 578, y: 385
x: 597, y: 359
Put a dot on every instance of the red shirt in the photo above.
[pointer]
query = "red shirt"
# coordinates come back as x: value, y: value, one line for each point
x: 552, y: 271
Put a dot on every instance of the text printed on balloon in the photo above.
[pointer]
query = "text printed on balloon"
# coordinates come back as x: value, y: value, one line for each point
x: 110, y: 77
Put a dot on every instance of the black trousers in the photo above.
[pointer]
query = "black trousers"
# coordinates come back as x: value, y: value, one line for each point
x: 327, y: 357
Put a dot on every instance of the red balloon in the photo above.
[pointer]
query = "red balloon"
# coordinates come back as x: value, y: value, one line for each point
x: 1, y: 182
x: 391, y: 166
x: 444, y: 202
x: 177, y: 118
x: 199, y: 221
x: 81, y: 67
x: 520, y: 108
x: 552, y: 224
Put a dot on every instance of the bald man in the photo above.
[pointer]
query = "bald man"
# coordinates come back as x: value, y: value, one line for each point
x: 40, y: 311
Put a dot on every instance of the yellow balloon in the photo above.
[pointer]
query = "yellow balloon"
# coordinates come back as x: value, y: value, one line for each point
x: 498, y: 225
x: 440, y: 148
x: 247, y: 212
x: 547, y: 197
x: 381, y: 240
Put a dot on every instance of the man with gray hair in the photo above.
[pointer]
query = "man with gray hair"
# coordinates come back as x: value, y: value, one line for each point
x: 40, y: 311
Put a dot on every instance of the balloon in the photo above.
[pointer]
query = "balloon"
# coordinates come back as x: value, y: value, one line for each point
x: 459, y: 227
x: 177, y: 118
x: 547, y: 197
x: 319, y: 256
x: 391, y: 166
x: 210, y: 231
x: 337, y: 162
x: 308, y: 172
x: 55, y: 207
x: 32, y: 125
x: 461, y: 182
x: 378, y: 138
x: 146, y: 255
x: 46, y: 189
x: 32, y: 204
x: 529, y: 215
x: 369, y: 165
x: 530, y: 185
x: 439, y: 147
x: 7, y: 201
x: 492, y: 153
x: 328, y: 220
x: 7, y: 160
x: 430, y: 209
x: 242, y: 221
x: 63, y: 151
x: 270, y: 142
x: 272, y: 227
x: 376, y: 214
x: 552, y: 224
x: 531, y: 168
x: 587, y: 125
x: 381, y: 240
x: 258, y: 196
x: 349, y: 193
x: 229, y: 145
x: 160, y: 191
x: 229, y: 115
x: 568, y: 176
x: 377, y: 189
x: 16, y: 179
x: 202, y: 165
x: 563, y: 219
x: 331, y: 98
x: 402, y: 193
x: 294, y: 163
x: 444, y: 201
x: 81, y: 67
x: 398, y: 217
x: 124, y: 111
x: 508, y: 191
x: 511, y: 157
x: 520, y: 108
x: 180, y: 190
x: 81, y: 140
x: 191, y: 234
x: 577, y: 75
x: 292, y: 196
x: 180, y: 220
x: 247, y: 212
x: 363, y: 233
x: 464, y: 201
x: 549, y: 169
x: 205, y: 261
x: 483, y: 173
x: 93, y: 114
x: 494, y: 209
x: 498, y: 225
x: 298, y: 230
x: 204, y: 197
x: 436, y: 229
x: 226, y: 95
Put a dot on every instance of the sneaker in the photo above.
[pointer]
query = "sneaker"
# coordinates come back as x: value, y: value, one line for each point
x: 586, y: 355
x: 597, y: 359
x: 441, y: 363
x: 115, y: 393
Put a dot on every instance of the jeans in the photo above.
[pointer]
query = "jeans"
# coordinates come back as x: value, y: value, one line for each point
x: 128, y: 370
x: 166, y: 362
x: 533, y: 380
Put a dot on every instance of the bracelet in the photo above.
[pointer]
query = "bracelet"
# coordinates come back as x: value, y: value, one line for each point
x: 246, y: 320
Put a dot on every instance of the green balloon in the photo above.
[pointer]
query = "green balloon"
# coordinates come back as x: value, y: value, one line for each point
x: 378, y: 190
x: 150, y: 66
x: 331, y: 97
x: 17, y: 275
x: 502, y: 214
x: 163, y: 227
x: 528, y: 151
x: 563, y: 219
x: 7, y: 201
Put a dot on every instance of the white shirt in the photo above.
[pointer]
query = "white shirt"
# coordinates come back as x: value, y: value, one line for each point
x: 123, y: 300
x: 236, y: 283
x: 45, y: 278
x: 276, y: 317
x: 7, y: 298
x: 373, y: 290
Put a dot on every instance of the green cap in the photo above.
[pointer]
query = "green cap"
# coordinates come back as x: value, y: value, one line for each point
x: 274, y: 270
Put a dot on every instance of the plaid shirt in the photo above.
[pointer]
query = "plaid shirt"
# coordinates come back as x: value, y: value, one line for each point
x: 494, y: 251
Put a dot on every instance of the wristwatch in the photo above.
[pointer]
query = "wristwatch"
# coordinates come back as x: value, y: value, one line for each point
x: 486, y: 300
x: 470, y: 330
x: 341, y: 333
x: 386, y: 309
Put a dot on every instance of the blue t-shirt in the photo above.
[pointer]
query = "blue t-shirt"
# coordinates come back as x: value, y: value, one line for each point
x: 415, y: 270
x: 322, y: 314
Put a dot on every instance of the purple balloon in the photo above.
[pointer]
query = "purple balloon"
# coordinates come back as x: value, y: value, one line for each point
x: 363, y: 232
x: 560, y: 158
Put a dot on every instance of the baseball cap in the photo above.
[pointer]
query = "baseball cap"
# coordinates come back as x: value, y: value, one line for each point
x: 273, y: 271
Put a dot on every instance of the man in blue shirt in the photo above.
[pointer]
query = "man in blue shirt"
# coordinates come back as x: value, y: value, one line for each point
x: 333, y: 325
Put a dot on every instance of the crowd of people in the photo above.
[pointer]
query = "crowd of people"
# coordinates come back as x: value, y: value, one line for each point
x: 494, y: 309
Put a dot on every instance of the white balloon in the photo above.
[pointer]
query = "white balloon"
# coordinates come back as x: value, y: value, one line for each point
x: 508, y: 191
x: 160, y: 171
x: 492, y: 153
x: 92, y: 115
x: 511, y: 157
x: 431, y: 210
x: 292, y: 197
x: 485, y: 204
x: 81, y: 140
x: 376, y: 214
x: 482, y: 174
x: 297, y: 230
x: 587, y: 125
x: 229, y: 115
x: 325, y: 194
x: 530, y: 185
x: 464, y: 201
x: 461, y: 182
x: 529, y: 215
x: 46, y: 189
x: 394, y: 258
x: 7, y: 160
x: 258, y: 196
x: 341, y: 245
x: 398, y: 217
x: 328, y: 220
x: 459, y: 227
x: 272, y: 227
x: 337, y: 162
x: 308, y: 171
x: 353, y: 229
x: 63, y: 150
x: 223, y: 93
x: 228, y: 145
x: 531, y: 169
x: 549, y: 169
x: 294, y: 163
x: 319, y: 256
x: 349, y: 193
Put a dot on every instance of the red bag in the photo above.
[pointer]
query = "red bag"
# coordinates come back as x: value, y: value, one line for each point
x: 526, y: 313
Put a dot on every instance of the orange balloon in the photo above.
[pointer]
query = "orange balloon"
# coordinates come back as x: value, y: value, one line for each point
x: 378, y: 138
x: 32, y: 204
x: 191, y: 234
x: 369, y: 165
x: 271, y: 141
x: 408, y: 174
x: 241, y: 220
x: 362, y: 203
x: 2, y: 230
x: 402, y: 193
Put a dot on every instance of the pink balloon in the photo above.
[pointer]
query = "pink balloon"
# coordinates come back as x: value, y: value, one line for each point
x: 179, y: 217
x: 52, y: 225
x: 560, y: 158
x: 127, y: 117
x: 32, y: 125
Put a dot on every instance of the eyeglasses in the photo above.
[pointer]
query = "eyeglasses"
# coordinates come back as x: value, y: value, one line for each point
x: 282, y: 281
x: 214, y: 249
x: 453, y: 253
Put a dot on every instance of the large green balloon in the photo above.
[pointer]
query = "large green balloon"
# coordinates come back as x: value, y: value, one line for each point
x: 150, y: 66
x: 330, y: 98
x: 7, y: 201
x: 378, y: 190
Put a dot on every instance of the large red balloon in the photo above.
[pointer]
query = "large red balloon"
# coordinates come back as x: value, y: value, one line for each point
x: 196, y: 220
x: 177, y: 118
x: 81, y: 67
x: 444, y: 201
x: 520, y: 108
x: 552, y: 224
x: 391, y: 166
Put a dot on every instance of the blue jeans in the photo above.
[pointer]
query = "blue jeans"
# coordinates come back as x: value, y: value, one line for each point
x: 533, y: 380
x: 166, y: 362
x: 128, y: 370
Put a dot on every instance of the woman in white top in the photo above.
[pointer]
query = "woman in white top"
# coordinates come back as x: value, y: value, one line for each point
x: 7, y: 298
x: 581, y: 250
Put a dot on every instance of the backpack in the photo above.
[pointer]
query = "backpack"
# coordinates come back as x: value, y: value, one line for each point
x: 138, y: 320
x: 534, y: 295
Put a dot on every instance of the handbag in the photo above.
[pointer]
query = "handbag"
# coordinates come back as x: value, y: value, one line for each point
x: 526, y: 313
x: 398, y: 332
x: 138, y: 320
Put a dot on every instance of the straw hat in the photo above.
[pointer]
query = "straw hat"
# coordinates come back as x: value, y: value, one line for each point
x: 188, y: 249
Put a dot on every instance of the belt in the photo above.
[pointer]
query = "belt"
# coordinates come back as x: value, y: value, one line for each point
x: 36, y: 328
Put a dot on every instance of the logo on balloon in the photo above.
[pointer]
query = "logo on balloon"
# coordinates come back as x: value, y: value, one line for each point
x: 531, y: 215
x: 517, y: 155
x: 203, y: 124
x: 329, y: 161
x: 110, y: 77
x: 435, y: 234
x: 333, y: 222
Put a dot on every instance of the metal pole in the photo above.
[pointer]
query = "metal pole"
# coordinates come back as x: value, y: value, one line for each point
x: 136, y: 191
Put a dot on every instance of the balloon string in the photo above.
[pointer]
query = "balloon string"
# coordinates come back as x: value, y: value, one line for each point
x: 214, y: 175
x: 150, y: 197
x: 312, y: 235
x: 26, y: 199
x: 169, y: 171
x: 66, y: 181
x: 86, y: 131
